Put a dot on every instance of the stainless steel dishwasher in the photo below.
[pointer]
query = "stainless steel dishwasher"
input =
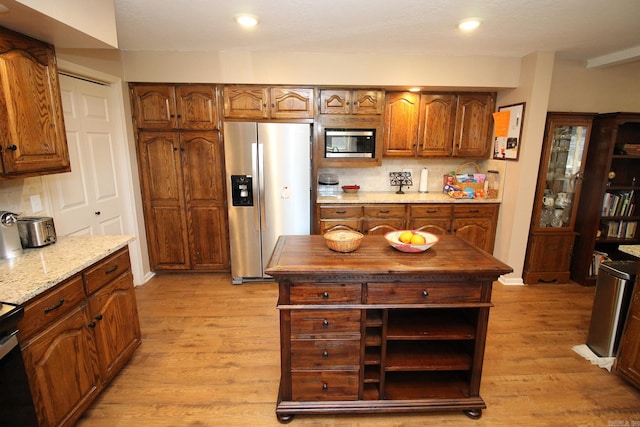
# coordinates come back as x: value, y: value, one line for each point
x: 614, y: 287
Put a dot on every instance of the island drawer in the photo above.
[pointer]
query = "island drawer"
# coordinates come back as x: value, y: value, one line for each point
x: 325, y: 353
x: 331, y: 293
x: 330, y: 224
x: 309, y: 323
x: 430, y: 211
x: 106, y: 270
x: 340, y: 211
x: 51, y: 306
x: 384, y: 211
x: 423, y: 293
x: 324, y: 385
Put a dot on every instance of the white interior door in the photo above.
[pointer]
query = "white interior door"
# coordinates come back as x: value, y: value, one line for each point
x: 89, y: 199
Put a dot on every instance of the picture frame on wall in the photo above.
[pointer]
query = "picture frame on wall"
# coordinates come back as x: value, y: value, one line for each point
x: 508, y: 131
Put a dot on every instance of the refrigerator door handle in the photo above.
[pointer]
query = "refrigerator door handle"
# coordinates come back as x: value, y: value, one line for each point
x: 261, y: 173
x: 256, y: 189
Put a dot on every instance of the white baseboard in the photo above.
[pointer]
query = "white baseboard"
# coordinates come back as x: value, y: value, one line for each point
x: 511, y: 281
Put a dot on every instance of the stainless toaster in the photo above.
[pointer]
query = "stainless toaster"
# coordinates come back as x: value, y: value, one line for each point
x: 36, y: 231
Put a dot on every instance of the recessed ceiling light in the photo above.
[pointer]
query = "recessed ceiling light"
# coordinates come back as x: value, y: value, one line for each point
x: 469, y: 24
x: 246, y: 20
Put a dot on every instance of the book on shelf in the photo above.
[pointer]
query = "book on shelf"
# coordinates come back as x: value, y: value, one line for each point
x: 618, y: 203
x: 619, y: 229
x: 633, y: 149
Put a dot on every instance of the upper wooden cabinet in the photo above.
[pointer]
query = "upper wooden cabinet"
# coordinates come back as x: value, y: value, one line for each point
x: 33, y: 138
x: 438, y: 125
x: 192, y: 107
x: 346, y: 101
x: 259, y: 102
x: 473, y: 125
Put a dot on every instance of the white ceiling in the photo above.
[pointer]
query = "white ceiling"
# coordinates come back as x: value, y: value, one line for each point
x: 575, y: 29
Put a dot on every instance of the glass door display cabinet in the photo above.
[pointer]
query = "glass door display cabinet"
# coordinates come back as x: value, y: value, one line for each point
x: 551, y: 233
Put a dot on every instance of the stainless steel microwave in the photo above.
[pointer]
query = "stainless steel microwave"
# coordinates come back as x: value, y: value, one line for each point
x: 350, y: 143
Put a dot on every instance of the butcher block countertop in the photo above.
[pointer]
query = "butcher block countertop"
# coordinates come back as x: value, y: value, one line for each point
x: 39, y: 269
x: 310, y: 256
x: 392, y: 197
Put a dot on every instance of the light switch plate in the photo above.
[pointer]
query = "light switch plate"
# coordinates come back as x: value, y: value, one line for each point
x: 36, y: 203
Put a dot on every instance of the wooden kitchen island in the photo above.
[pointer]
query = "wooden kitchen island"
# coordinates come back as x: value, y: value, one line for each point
x: 378, y: 330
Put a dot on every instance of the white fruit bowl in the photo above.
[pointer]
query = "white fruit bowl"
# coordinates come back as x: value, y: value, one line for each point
x: 393, y: 238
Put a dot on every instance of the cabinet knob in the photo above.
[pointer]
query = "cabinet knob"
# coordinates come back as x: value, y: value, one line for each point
x: 425, y: 293
x: 325, y: 386
x: 325, y: 295
x: 325, y: 323
x: 98, y: 317
x: 92, y: 325
x: 325, y: 354
x: 12, y: 147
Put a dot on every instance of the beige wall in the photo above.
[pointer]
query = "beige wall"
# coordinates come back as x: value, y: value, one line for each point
x: 538, y: 80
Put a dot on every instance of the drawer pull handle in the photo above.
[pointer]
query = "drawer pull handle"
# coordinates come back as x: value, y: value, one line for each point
x: 425, y: 293
x: 325, y: 386
x: 384, y: 211
x: 54, y: 307
x: 341, y: 212
x: 111, y: 270
x: 325, y: 323
x: 432, y: 211
x: 474, y: 211
x: 325, y: 295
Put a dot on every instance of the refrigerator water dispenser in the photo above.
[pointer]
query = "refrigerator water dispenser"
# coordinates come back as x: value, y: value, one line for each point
x: 242, y: 190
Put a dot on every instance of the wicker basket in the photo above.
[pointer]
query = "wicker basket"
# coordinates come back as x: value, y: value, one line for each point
x: 343, y: 240
x: 475, y: 185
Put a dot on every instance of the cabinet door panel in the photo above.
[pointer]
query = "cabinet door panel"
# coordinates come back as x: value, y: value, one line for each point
x: 335, y: 101
x: 401, y: 124
x: 163, y: 196
x: 33, y: 134
x: 154, y: 106
x: 246, y: 102
x: 367, y: 102
x: 477, y: 231
x: 66, y: 350
x: 473, y: 123
x: 628, y: 361
x: 435, y: 128
x: 196, y: 107
x: 202, y: 159
x: 434, y: 226
x: 291, y: 103
x: 117, y: 330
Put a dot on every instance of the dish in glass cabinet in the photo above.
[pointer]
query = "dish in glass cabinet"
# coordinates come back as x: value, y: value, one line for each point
x: 398, y: 240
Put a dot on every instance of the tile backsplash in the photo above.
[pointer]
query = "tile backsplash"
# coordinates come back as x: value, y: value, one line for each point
x: 377, y: 178
x: 21, y: 196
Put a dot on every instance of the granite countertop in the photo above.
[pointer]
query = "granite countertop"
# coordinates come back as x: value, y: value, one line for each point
x: 630, y: 249
x: 392, y: 197
x: 39, y: 269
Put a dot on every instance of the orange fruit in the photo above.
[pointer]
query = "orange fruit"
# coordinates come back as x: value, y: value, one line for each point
x: 417, y: 239
x: 405, y: 236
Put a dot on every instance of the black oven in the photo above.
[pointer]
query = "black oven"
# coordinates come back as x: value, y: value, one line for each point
x: 350, y: 143
x: 16, y: 405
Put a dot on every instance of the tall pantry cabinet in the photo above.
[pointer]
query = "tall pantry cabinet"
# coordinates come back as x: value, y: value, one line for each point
x: 181, y: 164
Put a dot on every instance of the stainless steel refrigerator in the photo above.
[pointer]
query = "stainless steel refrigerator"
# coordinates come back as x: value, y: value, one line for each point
x: 268, y: 167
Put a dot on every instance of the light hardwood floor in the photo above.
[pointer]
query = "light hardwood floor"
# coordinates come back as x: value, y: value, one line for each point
x: 210, y: 357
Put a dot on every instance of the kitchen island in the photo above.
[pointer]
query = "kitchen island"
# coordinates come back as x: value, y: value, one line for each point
x: 378, y: 330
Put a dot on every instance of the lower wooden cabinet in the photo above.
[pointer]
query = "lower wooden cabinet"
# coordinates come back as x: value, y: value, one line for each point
x: 474, y: 222
x: 77, y: 336
x: 548, y: 258
x: 628, y: 360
